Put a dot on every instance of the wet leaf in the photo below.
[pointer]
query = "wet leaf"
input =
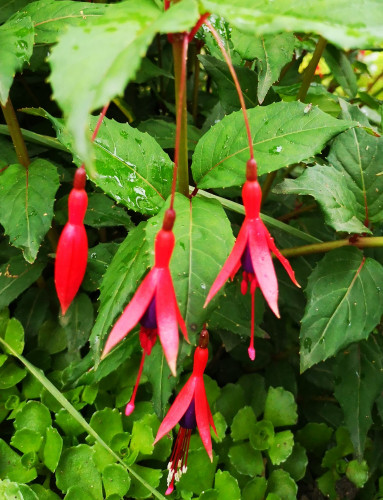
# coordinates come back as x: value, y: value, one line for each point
x: 344, y: 304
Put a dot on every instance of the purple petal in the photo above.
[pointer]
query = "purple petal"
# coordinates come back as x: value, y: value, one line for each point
x: 188, y: 420
x: 148, y: 319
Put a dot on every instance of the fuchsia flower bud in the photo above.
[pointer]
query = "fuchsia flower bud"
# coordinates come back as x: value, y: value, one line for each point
x: 252, y: 250
x: 72, y: 249
x: 190, y: 409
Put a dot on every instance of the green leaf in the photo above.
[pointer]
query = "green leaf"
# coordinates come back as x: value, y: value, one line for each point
x: 331, y: 190
x: 255, y: 489
x: 357, y: 472
x: 280, y: 483
x: 27, y: 440
x: 52, y: 337
x: 10, y: 374
x: 43, y: 494
x: 280, y: 407
x: 358, y: 27
x: 195, y: 263
x: 34, y: 416
x: 227, y: 486
x: 142, y: 437
x: 315, y: 437
x: 246, y: 460
x: 99, y: 258
x: 227, y: 92
x: 15, y: 491
x: 51, y: 18
x: 78, y: 322
x: 116, y: 480
x: 16, y: 46
x: 348, y: 312
x: 262, y: 437
x: 342, y: 449
x: 272, y: 52
x: 355, y: 154
x: 341, y: 69
x: 131, y: 166
x: 120, y: 282
x: 16, y: 275
x: 159, y: 376
x: 243, y: 424
x: 281, y: 447
x: 52, y: 448
x: 151, y: 476
x: 106, y: 423
x: 11, y: 466
x: 120, y: 38
x: 76, y: 467
x: 283, y: 133
x: 14, y: 335
x: 231, y: 398
x: 26, y: 204
x: 358, y: 383
x: 31, y: 309
x: 297, y: 462
x: 164, y: 133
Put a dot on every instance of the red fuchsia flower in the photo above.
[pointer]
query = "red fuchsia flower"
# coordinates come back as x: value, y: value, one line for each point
x: 154, y: 306
x: 190, y: 409
x: 252, y: 250
x: 72, y: 248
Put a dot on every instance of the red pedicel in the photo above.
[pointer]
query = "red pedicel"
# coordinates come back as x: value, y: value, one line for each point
x: 72, y: 248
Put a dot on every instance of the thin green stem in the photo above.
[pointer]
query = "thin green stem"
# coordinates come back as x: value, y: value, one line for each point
x: 310, y: 70
x: 327, y: 246
x: 15, y: 133
x: 181, y: 166
x: 269, y: 221
x: 39, y: 375
x: 196, y: 82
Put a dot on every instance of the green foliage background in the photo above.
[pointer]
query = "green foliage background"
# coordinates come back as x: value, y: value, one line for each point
x: 305, y: 419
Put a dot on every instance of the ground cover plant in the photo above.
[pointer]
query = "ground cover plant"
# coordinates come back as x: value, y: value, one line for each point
x: 191, y: 262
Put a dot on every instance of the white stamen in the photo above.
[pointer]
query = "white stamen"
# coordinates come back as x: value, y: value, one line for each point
x: 184, y: 469
x: 179, y: 463
x: 170, y: 465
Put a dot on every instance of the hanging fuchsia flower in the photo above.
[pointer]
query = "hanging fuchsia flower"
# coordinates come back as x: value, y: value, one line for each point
x: 190, y: 409
x: 72, y: 248
x: 252, y: 250
x: 154, y: 306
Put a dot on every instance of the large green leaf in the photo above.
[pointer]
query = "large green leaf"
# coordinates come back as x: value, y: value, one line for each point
x: 120, y: 282
x: 227, y: 91
x: 203, y: 241
x: 359, y: 26
x: 357, y: 155
x: 345, y: 302
x: 359, y: 381
x: 131, y: 166
x: 26, y: 204
x: 331, y: 190
x: 16, y: 46
x: 51, y: 18
x: 283, y: 133
x: 16, y: 275
x: 9, y: 7
x: 272, y: 52
x: 82, y: 82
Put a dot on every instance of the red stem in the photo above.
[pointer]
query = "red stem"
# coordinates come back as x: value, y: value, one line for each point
x: 179, y: 116
x: 236, y: 82
x: 99, y: 121
x: 251, y: 350
x: 200, y: 22
x: 130, y: 405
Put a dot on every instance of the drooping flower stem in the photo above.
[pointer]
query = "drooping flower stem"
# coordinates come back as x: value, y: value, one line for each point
x: 236, y: 82
x: 181, y: 167
x: 15, y: 132
x: 310, y: 70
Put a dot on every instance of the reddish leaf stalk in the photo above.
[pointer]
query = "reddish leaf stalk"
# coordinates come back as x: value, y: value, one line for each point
x: 236, y: 82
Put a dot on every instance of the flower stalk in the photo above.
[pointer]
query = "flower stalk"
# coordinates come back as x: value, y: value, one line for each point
x: 15, y: 132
